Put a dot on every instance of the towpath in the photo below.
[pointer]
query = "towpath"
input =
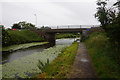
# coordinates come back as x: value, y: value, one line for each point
x: 82, y: 67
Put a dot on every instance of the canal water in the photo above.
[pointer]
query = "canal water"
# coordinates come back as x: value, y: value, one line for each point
x: 8, y: 57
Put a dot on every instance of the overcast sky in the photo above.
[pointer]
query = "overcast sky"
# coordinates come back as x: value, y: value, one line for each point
x: 49, y: 12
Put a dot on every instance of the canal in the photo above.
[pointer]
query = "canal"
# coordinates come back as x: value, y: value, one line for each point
x: 8, y: 57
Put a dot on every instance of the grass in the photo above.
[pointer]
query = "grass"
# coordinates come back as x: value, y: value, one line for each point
x: 103, y: 55
x: 26, y: 67
x: 22, y: 46
x: 23, y: 36
x: 66, y: 35
x: 61, y: 66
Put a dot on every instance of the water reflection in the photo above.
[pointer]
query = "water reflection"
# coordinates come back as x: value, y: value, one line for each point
x: 64, y: 41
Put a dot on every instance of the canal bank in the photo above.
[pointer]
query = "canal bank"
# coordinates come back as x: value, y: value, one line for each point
x: 21, y: 46
x: 13, y: 52
x: 105, y: 58
x: 20, y: 50
x: 61, y: 66
x: 30, y: 60
x: 26, y: 66
x: 73, y: 63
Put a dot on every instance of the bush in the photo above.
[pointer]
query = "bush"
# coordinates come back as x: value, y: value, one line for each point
x: 104, y: 57
x: 62, y: 65
x: 42, y: 66
x: 5, y: 37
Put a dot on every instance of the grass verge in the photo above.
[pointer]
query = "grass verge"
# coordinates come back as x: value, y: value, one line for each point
x: 24, y: 36
x: 103, y: 55
x: 61, y: 66
x: 20, y: 37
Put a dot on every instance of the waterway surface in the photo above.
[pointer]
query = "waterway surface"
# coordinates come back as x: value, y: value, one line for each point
x: 8, y: 57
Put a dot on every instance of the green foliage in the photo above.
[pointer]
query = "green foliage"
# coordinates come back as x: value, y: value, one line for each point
x: 105, y: 51
x: 102, y: 13
x: 113, y: 32
x: 28, y: 26
x: 97, y: 39
x: 105, y: 16
x: 61, y: 66
x: 67, y: 35
x: 24, y: 36
x: 26, y: 67
x: 114, y: 35
x: 110, y: 21
x: 19, y: 37
x: 16, y: 26
x: 5, y: 37
x: 23, y: 25
x: 42, y: 66
x: 104, y: 56
x: 45, y: 27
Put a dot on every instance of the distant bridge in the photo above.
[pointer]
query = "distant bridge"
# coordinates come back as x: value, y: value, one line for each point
x: 73, y: 26
x: 49, y: 34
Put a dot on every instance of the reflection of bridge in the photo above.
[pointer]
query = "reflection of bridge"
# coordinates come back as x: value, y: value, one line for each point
x: 49, y: 34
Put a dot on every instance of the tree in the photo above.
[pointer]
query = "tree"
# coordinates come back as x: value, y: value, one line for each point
x: 5, y: 37
x: 117, y: 4
x: 105, y: 16
x: 25, y: 25
x: 110, y: 21
x: 22, y: 24
x: 16, y: 26
x: 43, y: 27
x: 30, y: 26
x: 102, y: 13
